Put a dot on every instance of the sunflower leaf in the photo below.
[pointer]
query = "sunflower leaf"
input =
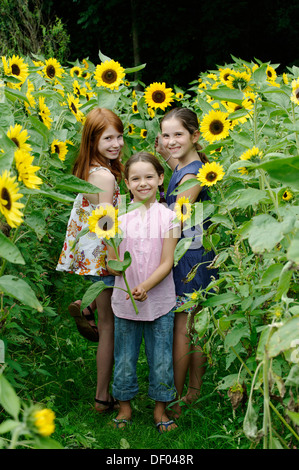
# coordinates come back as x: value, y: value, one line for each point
x: 72, y: 183
x: 20, y: 290
x: 103, y: 57
x: 135, y: 69
x: 9, y: 251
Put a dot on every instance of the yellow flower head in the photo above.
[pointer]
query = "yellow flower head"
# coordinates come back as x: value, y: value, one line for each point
x: 210, y: 173
x: 15, y: 66
x: 52, y: 69
x: 158, y: 96
x: 215, y: 126
x: 143, y: 133
x: 295, y: 91
x: 9, y: 195
x: 26, y: 170
x: 225, y: 74
x: 104, y: 222
x: 238, y: 80
x: 134, y: 107
x: 60, y: 148
x: 19, y: 136
x: 252, y: 153
x: 271, y: 74
x: 109, y: 74
x: 287, y: 195
x: 182, y: 209
x: 44, y: 421
x: 74, y: 105
x: 44, y: 112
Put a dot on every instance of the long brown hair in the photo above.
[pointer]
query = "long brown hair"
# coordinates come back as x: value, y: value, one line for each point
x: 189, y: 120
x: 148, y: 158
x: 96, y: 122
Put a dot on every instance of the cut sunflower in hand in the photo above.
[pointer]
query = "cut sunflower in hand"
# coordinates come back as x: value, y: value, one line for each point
x: 104, y: 222
x: 210, y: 173
x: 182, y: 209
x: 157, y: 95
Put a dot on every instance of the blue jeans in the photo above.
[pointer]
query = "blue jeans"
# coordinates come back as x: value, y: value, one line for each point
x: 108, y: 280
x: 158, y: 337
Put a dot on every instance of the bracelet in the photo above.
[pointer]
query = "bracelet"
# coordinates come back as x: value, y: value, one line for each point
x: 167, y: 159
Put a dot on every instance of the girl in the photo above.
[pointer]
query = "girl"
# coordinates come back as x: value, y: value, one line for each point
x: 98, y: 163
x: 150, y: 235
x: 178, y: 146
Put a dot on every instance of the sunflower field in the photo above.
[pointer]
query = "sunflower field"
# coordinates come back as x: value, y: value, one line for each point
x: 249, y: 322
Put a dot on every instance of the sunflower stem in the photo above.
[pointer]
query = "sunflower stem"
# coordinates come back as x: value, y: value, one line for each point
x: 231, y: 218
x: 125, y: 279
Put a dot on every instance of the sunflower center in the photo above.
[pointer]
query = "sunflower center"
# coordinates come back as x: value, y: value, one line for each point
x: 158, y: 96
x: 211, y: 176
x: 51, y: 71
x: 269, y: 73
x: 16, y: 141
x: 74, y: 108
x: 56, y: 148
x: 109, y: 76
x: 297, y: 93
x: 5, y: 196
x: 216, y: 127
x: 15, y: 69
x: 183, y: 209
x: 105, y: 223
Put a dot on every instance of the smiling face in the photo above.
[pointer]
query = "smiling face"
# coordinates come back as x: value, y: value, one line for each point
x: 110, y: 143
x: 143, y: 182
x: 177, y: 139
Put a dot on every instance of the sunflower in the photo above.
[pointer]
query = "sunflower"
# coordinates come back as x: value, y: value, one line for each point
x: 251, y: 154
x: 9, y: 196
x: 295, y: 91
x: 104, y: 222
x: 16, y: 67
x: 179, y: 96
x: 131, y: 129
x: 52, y: 69
x: 74, y: 106
x: 271, y: 74
x: 44, y: 112
x: 76, y: 71
x: 134, y: 107
x: 19, y: 137
x: 44, y: 421
x: 109, y: 74
x: 60, y: 148
x: 143, y: 133
x: 182, y: 209
x: 210, y: 173
x: 238, y: 80
x: 26, y: 170
x: 158, y: 96
x: 285, y: 78
x: 151, y: 112
x: 215, y: 126
x: 225, y: 74
x: 287, y: 195
x: 30, y: 97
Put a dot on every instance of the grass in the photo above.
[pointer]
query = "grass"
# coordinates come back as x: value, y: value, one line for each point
x: 59, y: 371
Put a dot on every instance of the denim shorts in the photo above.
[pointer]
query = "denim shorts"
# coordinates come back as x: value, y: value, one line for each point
x: 158, y: 338
x: 108, y: 280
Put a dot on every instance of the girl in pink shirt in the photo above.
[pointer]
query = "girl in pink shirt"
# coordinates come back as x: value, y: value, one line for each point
x: 150, y: 234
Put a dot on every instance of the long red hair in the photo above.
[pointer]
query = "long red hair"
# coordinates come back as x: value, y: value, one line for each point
x: 96, y: 123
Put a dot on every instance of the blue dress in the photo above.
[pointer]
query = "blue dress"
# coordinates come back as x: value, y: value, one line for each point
x: 196, y: 255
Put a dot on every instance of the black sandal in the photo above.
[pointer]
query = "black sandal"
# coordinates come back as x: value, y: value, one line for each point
x: 84, y: 328
x: 110, y: 405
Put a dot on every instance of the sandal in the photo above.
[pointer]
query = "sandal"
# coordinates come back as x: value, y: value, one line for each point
x: 85, y: 329
x: 111, y: 405
x: 117, y: 422
x: 164, y: 423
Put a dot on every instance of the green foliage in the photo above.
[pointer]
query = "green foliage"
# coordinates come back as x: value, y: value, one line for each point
x: 248, y: 327
x: 24, y: 29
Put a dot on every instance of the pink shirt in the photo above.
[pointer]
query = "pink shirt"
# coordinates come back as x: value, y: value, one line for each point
x: 143, y: 234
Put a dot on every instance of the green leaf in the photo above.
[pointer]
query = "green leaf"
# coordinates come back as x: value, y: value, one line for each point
x: 271, y: 274
x: 103, y: 57
x: 264, y: 337
x: 286, y: 337
x: 181, y: 248
x: 293, y: 250
x: 247, y: 197
x: 20, y: 290
x: 41, y: 442
x: 135, y: 69
x: 201, y: 322
x: 72, y: 183
x: 108, y: 99
x: 51, y: 194
x: 264, y: 233
x: 284, y: 280
x: 37, y: 223
x: 13, y: 94
x: 226, y: 94
x: 121, y: 265
x: 234, y: 336
x: 294, y: 416
x: 284, y: 170
x: 186, y: 185
x: 222, y: 299
x: 92, y: 292
x: 9, y: 251
x: 8, y: 398
x: 8, y: 426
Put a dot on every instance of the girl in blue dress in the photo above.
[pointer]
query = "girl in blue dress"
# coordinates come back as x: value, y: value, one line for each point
x: 179, y: 147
